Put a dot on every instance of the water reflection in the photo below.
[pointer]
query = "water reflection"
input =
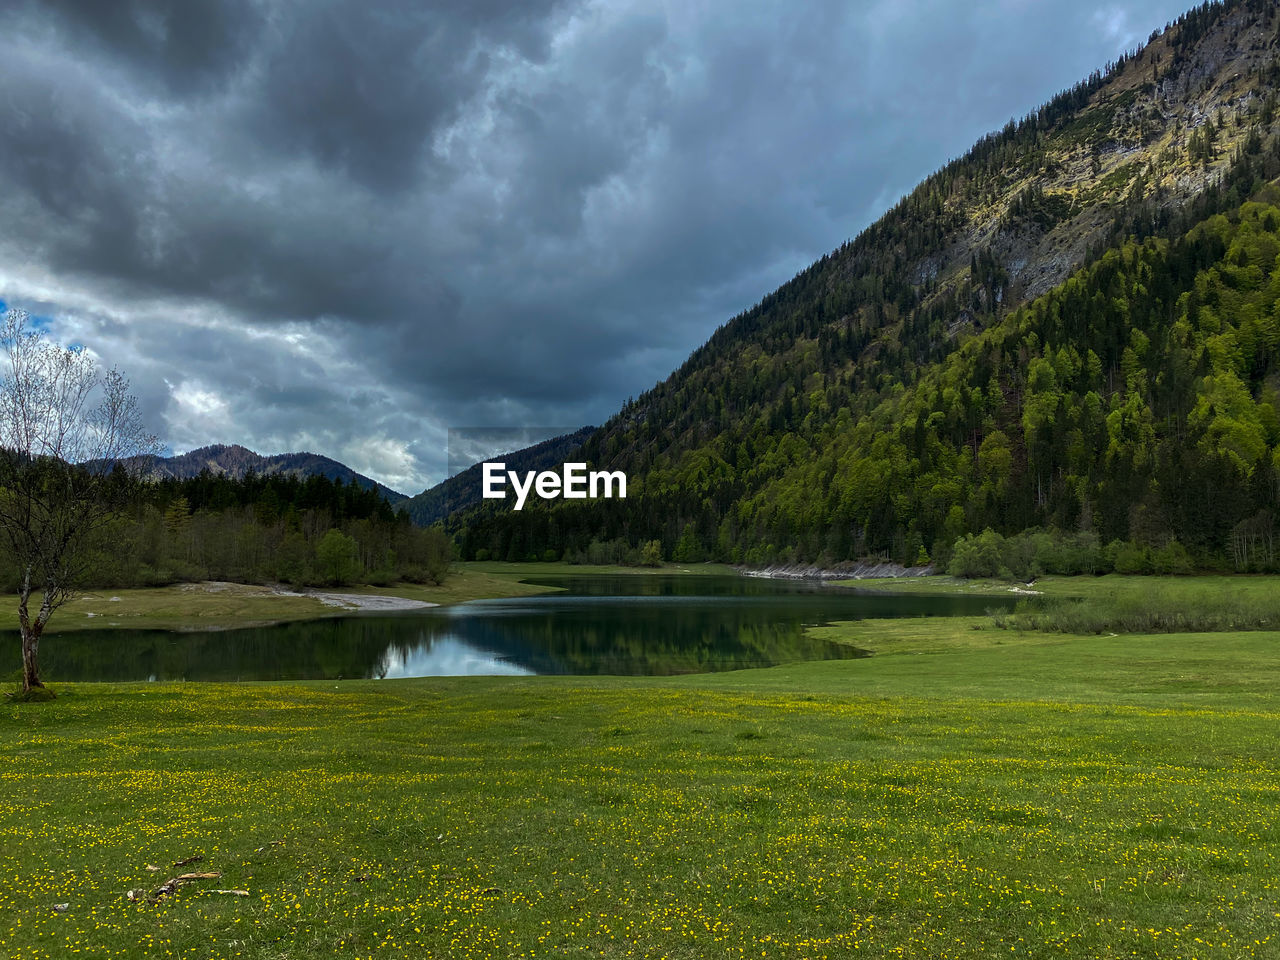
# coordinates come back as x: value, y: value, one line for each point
x: 651, y: 625
x: 449, y: 656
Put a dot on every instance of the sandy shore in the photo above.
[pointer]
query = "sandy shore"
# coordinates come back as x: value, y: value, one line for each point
x: 358, y: 601
x: 348, y: 601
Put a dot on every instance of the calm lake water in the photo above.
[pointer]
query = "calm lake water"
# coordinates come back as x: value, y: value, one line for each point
x: 627, y: 625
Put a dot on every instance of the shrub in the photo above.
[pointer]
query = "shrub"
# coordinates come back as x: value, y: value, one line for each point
x: 651, y: 554
x: 1172, y: 558
x: 337, y: 557
x: 1130, y: 558
x: 978, y: 556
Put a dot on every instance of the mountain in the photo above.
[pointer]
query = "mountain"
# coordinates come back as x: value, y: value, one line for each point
x: 1069, y: 328
x: 463, y: 489
x: 236, y: 461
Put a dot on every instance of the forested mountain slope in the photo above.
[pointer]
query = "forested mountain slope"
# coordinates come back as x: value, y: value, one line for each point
x: 936, y: 376
x: 464, y: 488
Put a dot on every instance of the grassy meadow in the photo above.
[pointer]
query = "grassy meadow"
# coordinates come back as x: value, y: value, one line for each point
x: 967, y: 792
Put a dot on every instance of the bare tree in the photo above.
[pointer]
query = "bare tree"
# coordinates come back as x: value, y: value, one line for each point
x: 67, y: 436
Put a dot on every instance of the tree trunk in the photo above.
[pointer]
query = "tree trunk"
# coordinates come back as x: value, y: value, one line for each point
x: 30, y: 638
x: 30, y: 662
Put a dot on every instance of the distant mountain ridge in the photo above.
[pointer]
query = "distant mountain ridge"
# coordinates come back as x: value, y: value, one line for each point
x: 236, y: 461
x: 463, y: 489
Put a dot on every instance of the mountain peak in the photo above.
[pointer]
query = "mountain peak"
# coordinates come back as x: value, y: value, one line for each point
x: 236, y: 460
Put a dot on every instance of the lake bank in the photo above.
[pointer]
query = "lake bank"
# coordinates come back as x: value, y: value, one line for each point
x: 847, y: 572
x: 1084, y: 585
x: 212, y: 605
x: 582, y: 624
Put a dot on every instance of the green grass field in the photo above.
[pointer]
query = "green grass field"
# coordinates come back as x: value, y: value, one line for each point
x: 966, y: 792
x: 179, y: 607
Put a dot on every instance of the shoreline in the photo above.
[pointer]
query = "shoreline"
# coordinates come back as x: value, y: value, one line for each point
x: 217, y: 605
x: 358, y: 602
x: 224, y: 605
x: 850, y: 571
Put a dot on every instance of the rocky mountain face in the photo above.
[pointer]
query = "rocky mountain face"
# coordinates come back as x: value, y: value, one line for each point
x: 236, y: 461
x: 1162, y: 128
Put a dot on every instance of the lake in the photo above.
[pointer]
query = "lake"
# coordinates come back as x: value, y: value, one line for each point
x: 624, y: 625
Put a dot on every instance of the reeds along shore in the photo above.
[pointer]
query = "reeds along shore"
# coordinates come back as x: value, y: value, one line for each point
x: 1173, y: 608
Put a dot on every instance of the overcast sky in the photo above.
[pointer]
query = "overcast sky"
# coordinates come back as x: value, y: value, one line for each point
x: 347, y: 227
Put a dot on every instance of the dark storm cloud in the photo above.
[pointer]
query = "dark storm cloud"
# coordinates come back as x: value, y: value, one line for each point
x: 184, y: 46
x: 347, y: 226
x: 360, y: 87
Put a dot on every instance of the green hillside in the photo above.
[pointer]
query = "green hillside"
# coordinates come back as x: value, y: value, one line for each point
x: 1071, y: 327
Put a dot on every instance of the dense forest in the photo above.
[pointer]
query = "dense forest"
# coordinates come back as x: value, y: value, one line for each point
x: 952, y: 371
x: 260, y: 529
